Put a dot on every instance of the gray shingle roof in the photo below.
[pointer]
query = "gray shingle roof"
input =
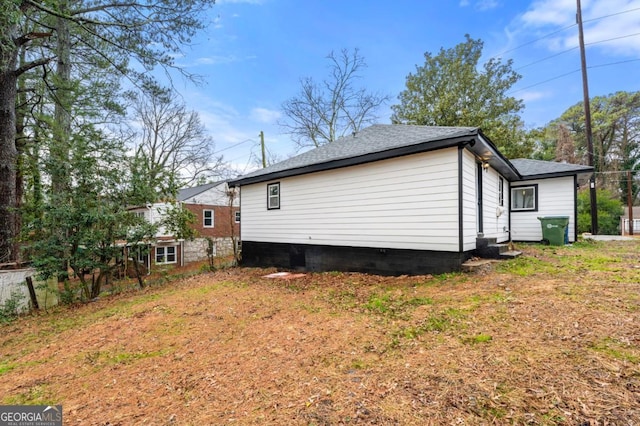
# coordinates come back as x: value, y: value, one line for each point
x: 371, y: 140
x: 538, y: 168
x: 186, y: 193
x: 382, y: 141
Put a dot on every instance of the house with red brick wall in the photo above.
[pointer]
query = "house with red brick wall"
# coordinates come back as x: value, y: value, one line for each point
x: 217, y: 212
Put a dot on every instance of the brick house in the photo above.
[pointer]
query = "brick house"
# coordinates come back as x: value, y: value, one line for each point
x: 217, y: 218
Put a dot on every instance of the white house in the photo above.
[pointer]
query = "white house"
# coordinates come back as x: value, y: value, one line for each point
x: 395, y: 199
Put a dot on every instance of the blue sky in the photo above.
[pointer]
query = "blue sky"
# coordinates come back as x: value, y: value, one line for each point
x: 254, y: 53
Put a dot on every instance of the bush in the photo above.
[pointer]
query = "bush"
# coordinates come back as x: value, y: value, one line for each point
x: 10, y: 309
x: 609, y: 212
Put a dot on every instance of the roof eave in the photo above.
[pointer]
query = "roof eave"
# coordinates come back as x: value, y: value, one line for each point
x: 557, y: 174
x: 362, y: 159
x: 487, y: 151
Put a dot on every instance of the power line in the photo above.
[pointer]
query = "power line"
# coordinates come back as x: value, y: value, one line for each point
x: 615, y: 63
x: 611, y: 39
x: 573, y: 72
x: 547, y: 58
x: 545, y: 81
x: 563, y: 29
x: 233, y: 146
x: 575, y: 48
x: 610, y: 15
x: 534, y: 41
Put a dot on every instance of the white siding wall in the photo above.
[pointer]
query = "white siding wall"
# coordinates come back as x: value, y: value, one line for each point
x: 216, y: 196
x: 406, y: 203
x: 469, y: 201
x: 495, y: 225
x: 154, y: 214
x: 555, y: 198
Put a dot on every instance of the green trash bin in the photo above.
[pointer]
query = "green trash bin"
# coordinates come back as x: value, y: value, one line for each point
x: 554, y: 229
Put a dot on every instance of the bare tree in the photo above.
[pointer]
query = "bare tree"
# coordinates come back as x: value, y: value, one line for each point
x: 565, y: 146
x: 173, y: 145
x: 143, y: 34
x: 322, y: 113
x: 232, y: 196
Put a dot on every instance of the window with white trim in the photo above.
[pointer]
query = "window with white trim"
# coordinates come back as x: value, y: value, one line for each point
x: 524, y: 198
x: 166, y: 254
x: 207, y: 218
x: 273, y: 196
x: 501, y: 192
x: 238, y: 217
x: 139, y: 252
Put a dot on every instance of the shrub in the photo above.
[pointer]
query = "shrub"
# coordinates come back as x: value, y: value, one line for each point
x: 609, y: 212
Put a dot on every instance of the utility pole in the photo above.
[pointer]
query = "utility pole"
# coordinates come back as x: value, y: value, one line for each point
x: 264, y: 159
x: 587, y: 121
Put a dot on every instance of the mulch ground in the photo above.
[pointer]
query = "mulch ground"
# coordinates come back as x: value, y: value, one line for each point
x: 234, y: 347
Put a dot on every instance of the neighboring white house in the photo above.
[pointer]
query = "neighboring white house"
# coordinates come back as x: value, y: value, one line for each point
x: 396, y: 199
x: 630, y: 224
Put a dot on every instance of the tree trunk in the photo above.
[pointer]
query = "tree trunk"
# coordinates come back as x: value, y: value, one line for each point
x: 60, y: 176
x: 136, y: 268
x: 8, y: 154
x: 62, y: 117
x: 21, y: 143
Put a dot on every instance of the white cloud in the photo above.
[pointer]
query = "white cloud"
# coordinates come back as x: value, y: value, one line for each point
x: 220, y: 59
x: 550, y: 12
x: 486, y: 4
x: 216, y: 59
x: 610, y: 26
x: 264, y: 115
x: 532, y: 95
x: 480, y: 5
x: 217, y: 22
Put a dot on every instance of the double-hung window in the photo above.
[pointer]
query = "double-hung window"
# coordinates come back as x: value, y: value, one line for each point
x: 207, y: 218
x: 237, y: 217
x: 166, y: 254
x: 273, y: 196
x: 524, y: 198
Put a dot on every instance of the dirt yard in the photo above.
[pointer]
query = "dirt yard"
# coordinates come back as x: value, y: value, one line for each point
x: 550, y: 338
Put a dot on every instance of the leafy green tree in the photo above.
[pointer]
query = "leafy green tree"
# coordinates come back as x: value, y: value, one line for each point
x: 451, y: 90
x: 129, y: 38
x: 616, y: 137
x: 178, y: 221
x: 543, y: 141
x: 139, y: 234
x: 609, y: 212
x: 79, y: 227
x: 554, y: 142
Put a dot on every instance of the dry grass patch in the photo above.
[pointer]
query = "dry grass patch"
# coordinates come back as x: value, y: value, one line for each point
x: 550, y: 338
